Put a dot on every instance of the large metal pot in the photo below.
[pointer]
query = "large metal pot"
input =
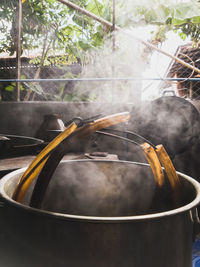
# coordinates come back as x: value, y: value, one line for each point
x: 82, y: 238
x: 171, y: 121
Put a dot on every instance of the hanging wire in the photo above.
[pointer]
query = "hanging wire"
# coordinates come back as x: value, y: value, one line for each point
x: 142, y: 139
x: 121, y: 138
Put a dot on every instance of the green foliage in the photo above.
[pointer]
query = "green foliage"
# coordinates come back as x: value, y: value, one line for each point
x: 71, y: 32
x: 56, y: 29
x: 55, y: 60
x: 53, y: 28
x: 182, y: 17
x: 35, y: 87
x: 49, y: 19
x: 12, y: 86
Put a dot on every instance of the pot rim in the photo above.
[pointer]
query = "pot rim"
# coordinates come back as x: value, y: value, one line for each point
x: 188, y: 207
x: 35, y: 141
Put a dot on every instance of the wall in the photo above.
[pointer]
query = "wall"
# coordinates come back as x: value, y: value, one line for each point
x: 24, y: 118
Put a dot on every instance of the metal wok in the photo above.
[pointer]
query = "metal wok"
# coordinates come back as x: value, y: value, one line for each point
x: 16, y: 145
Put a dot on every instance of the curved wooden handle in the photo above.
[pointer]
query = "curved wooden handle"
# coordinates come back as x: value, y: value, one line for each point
x: 168, y: 166
x: 154, y: 163
x: 36, y: 166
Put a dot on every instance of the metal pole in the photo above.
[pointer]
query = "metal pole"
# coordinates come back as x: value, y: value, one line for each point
x: 18, y: 54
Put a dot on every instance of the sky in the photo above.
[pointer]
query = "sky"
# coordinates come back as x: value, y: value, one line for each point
x: 159, y: 64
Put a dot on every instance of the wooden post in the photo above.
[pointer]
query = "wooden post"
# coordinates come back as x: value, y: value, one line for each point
x: 114, y: 24
x: 18, y: 54
x: 113, y: 49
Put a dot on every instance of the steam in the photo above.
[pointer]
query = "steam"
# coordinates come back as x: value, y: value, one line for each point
x: 125, y: 60
x: 100, y: 189
x: 88, y: 189
x: 171, y: 121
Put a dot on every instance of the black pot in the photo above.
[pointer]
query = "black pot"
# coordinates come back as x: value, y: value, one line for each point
x: 4, y: 142
x: 16, y: 145
x: 84, y: 237
x: 171, y: 121
x: 52, y: 124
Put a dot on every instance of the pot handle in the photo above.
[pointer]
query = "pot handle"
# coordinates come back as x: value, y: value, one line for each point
x: 194, y: 215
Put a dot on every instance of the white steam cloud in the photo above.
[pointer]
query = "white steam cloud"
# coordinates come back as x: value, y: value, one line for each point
x: 125, y: 60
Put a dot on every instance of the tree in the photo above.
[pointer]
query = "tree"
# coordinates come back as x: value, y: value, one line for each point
x: 179, y: 16
x: 51, y: 26
x: 48, y: 19
x: 71, y: 32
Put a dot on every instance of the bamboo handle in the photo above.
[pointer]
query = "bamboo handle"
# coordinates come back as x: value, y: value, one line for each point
x: 36, y: 166
x: 56, y: 156
x: 154, y: 163
x: 168, y: 166
x: 103, y: 123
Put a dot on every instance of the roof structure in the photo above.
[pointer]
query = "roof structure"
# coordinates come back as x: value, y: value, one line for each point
x: 186, y: 88
x: 189, y: 54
